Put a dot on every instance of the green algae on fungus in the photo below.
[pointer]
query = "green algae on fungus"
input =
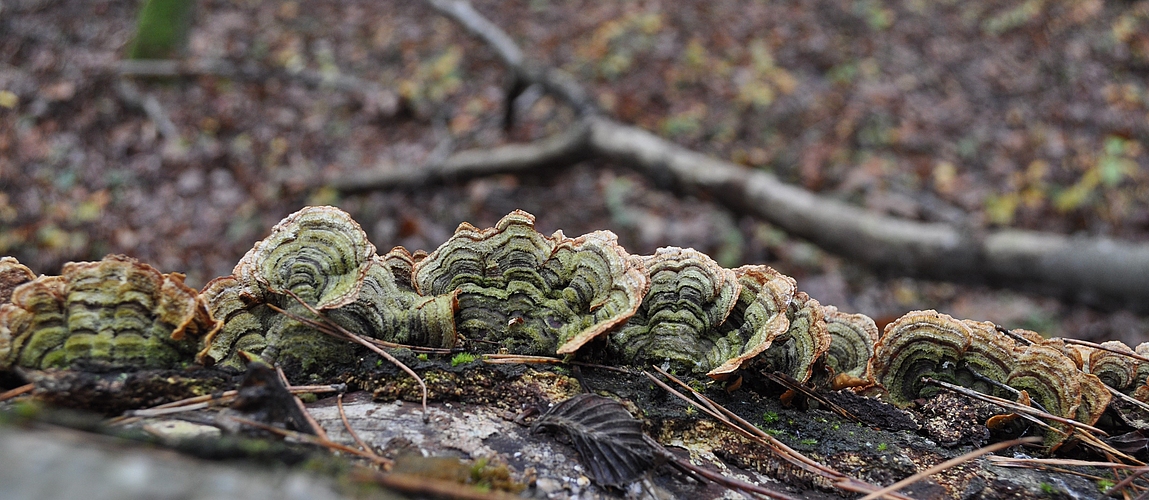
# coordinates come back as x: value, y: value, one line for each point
x: 381, y: 306
x: 385, y: 311
x: 531, y: 293
x: 318, y: 253
x: 242, y: 314
x: 114, y: 312
x: 919, y: 344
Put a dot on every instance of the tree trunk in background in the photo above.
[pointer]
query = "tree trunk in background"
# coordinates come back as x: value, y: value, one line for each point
x: 162, y: 29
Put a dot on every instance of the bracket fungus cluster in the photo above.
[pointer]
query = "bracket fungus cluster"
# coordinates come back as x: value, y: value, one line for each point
x: 114, y: 312
x: 852, y: 339
x: 1024, y: 367
x: 532, y: 293
x: 319, y: 260
x: 690, y: 297
x: 512, y: 289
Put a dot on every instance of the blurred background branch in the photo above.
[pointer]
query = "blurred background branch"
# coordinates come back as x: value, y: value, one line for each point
x: 956, y: 125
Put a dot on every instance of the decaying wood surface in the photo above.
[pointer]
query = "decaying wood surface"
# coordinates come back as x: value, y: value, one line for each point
x: 482, y: 415
x: 54, y: 463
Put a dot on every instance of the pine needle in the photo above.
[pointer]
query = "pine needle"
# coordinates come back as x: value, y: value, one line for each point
x: 741, y: 426
x: 948, y: 464
x: 350, y: 430
x: 1013, y: 406
x: 345, y: 334
x: 315, y: 427
x: 24, y: 389
x: 316, y: 440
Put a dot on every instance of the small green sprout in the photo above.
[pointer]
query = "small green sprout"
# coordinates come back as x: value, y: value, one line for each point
x: 1105, y: 485
x: 770, y: 417
x: 421, y: 357
x: 462, y: 358
x: 882, y: 446
x: 1049, y: 489
x: 774, y: 432
x: 697, y: 386
x: 809, y: 442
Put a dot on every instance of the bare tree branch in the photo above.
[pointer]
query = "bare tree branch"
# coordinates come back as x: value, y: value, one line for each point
x: 524, y: 72
x: 559, y: 150
x: 131, y: 94
x: 1095, y: 270
x: 373, y: 96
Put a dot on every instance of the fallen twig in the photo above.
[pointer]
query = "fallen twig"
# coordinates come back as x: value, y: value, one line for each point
x: 1128, y: 481
x: 1013, y: 406
x: 794, y: 385
x: 158, y: 412
x: 1128, y: 399
x: 412, y: 348
x: 1095, y: 345
x: 715, y: 477
x: 316, y: 440
x: 1026, y: 462
x: 208, y: 400
x: 524, y: 72
x: 1060, y: 464
x: 1084, y: 432
x: 562, y: 149
x: 511, y: 359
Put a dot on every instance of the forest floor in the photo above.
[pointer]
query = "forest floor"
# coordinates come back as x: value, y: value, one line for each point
x: 1024, y: 113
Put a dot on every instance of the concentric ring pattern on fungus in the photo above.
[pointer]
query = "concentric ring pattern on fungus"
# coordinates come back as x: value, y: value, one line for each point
x: 512, y: 289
